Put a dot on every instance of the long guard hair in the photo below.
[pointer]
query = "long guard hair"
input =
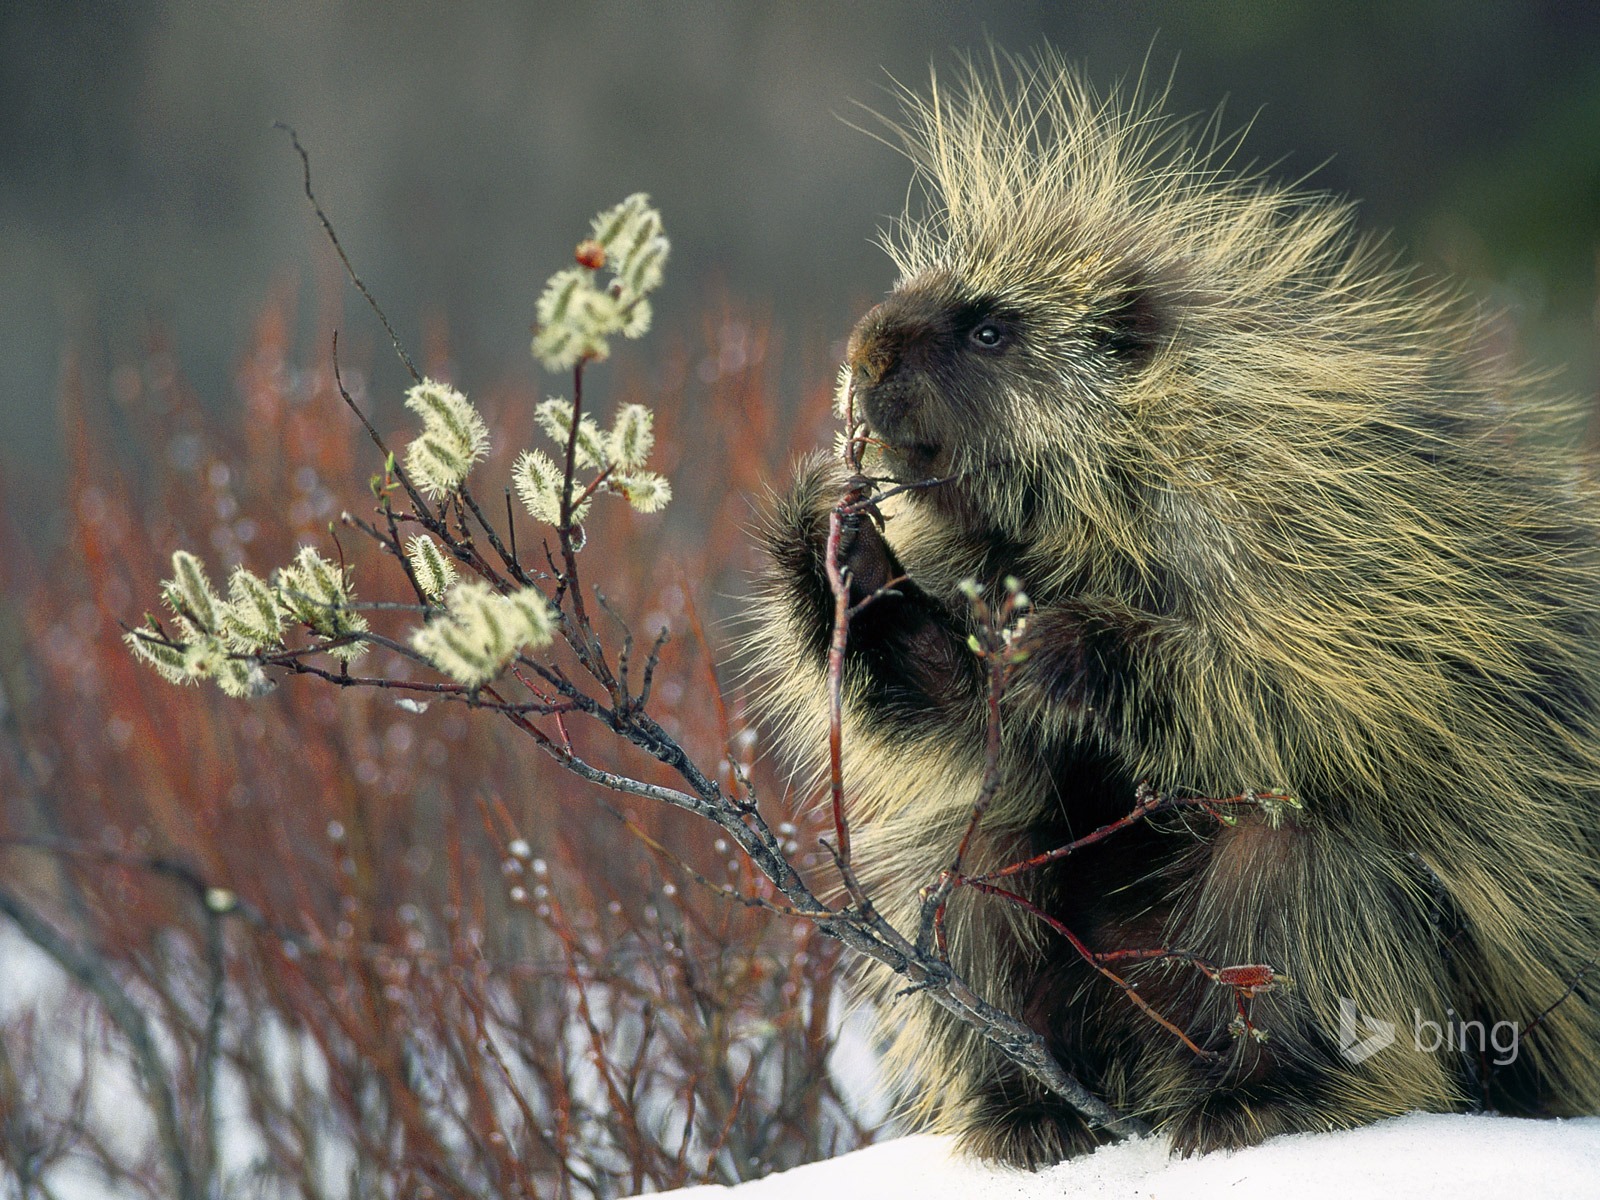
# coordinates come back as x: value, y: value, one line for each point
x: 1284, y: 526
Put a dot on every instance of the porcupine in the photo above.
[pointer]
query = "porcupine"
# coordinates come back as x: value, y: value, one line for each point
x: 1282, y: 528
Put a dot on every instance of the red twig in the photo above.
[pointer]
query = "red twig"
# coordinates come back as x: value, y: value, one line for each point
x: 1093, y: 959
x: 838, y: 581
x: 1149, y: 803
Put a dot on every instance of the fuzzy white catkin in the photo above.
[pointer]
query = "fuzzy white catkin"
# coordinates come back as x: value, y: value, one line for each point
x: 242, y: 680
x: 252, y: 619
x: 434, y: 572
x: 578, y: 313
x: 481, y: 631
x: 646, y: 491
x: 209, y: 631
x: 189, y: 592
x: 453, y: 438
x: 555, y: 418
x: 576, y: 316
x: 632, y: 436
x: 537, y: 479
x: 317, y: 594
x: 168, y: 661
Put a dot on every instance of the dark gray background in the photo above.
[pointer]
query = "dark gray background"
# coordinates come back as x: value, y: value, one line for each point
x: 460, y: 148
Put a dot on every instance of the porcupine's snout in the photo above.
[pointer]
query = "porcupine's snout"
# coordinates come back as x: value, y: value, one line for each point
x: 893, y: 355
x: 877, y: 355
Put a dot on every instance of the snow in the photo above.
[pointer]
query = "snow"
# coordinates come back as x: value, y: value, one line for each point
x: 1423, y: 1156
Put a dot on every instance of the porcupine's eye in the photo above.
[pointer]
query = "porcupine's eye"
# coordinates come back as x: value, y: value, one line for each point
x: 988, y: 335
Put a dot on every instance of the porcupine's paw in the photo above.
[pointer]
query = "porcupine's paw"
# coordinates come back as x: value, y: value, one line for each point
x: 796, y: 531
x: 865, y: 555
x: 796, y: 526
x: 1030, y: 1134
x: 1232, y: 1120
x: 1076, y: 657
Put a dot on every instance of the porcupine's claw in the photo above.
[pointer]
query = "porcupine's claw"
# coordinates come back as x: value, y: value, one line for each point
x: 863, y: 552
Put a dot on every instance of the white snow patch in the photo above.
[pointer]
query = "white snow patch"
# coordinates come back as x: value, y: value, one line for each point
x: 1423, y: 1156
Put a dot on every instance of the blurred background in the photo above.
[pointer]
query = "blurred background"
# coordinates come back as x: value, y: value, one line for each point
x: 325, y: 910
x: 457, y: 147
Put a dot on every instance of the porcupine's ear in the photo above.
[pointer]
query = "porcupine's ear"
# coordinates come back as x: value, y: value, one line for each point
x: 1130, y: 328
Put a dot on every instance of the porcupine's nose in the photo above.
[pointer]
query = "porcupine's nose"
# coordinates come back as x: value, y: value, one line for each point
x: 877, y: 346
x: 868, y: 353
x: 886, y: 351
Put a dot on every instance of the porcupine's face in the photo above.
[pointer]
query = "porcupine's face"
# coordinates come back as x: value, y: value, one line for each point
x: 1011, y: 400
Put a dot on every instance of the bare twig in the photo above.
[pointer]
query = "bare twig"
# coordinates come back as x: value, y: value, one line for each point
x: 416, y: 497
x: 327, y: 227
